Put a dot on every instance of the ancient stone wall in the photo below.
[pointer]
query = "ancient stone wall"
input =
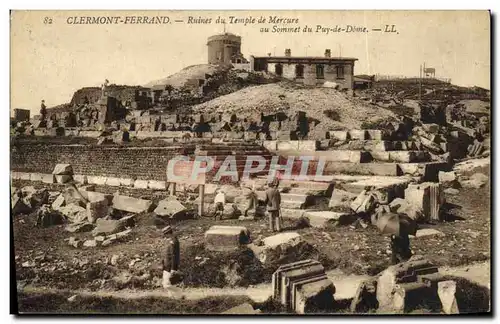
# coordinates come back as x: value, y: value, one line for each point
x: 125, y: 162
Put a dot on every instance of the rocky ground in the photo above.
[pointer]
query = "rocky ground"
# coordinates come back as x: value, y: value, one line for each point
x: 43, y: 256
x: 349, y: 112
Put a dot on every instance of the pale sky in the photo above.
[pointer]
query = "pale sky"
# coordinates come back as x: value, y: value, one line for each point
x: 51, y: 61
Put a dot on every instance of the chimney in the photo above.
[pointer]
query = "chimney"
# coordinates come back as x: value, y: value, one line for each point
x: 328, y: 53
x: 288, y: 52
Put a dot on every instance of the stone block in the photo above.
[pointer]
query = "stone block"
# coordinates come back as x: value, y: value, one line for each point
x: 157, y: 185
x: 270, y: 145
x: 132, y: 205
x: 341, y: 198
x: 376, y: 134
x: 48, y: 178
x: 79, y: 178
x: 448, y: 179
x: 113, y: 182
x: 424, y: 232
x: 406, y: 272
x: 63, y: 169
x: 282, y: 245
x: 171, y: 208
x: 226, y: 238
x: 63, y: 178
x: 409, y: 156
x: 359, y: 134
x: 365, y: 298
x: 36, y: 177
x: 97, y: 180
x: 94, y: 196
x: 431, y: 128
x: 74, y: 213
x: 107, y: 227
x: 19, y: 207
x: 243, y: 309
x: 325, y: 218
x: 97, y: 209
x: 141, y: 184
x: 307, y: 145
x: 250, y: 136
x: 427, y: 196
x: 447, y: 294
x: 381, y: 155
x: 339, y: 135
x: 477, y: 180
x: 313, y: 294
x: 288, y: 145
x: 303, y: 286
x: 58, y: 203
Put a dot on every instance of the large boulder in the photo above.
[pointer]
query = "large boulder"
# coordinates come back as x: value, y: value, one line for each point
x: 74, y: 213
x: 132, y: 205
x: 58, y: 202
x: 34, y: 198
x: 341, y: 198
x: 97, y: 209
x: 73, y: 196
x: 19, y: 207
x: 475, y: 181
x: 281, y: 247
x: 407, y: 272
x: 365, y: 298
x: 63, y: 169
x: 448, y: 179
x: 46, y: 217
x: 226, y: 238
x: 79, y: 227
x: 364, y: 202
x: 402, y: 206
x: 242, y: 309
x: 108, y: 226
x: 171, y: 208
x: 447, y: 294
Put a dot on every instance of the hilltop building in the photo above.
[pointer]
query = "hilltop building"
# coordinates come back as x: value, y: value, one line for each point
x: 225, y: 49
x: 309, y: 70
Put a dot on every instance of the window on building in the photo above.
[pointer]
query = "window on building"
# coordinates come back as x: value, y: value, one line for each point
x: 278, y: 69
x: 299, y: 71
x: 219, y: 56
x: 320, y: 71
x: 340, y: 72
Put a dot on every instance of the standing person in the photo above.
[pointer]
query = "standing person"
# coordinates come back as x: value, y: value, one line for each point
x: 252, y: 197
x: 172, y: 256
x: 43, y: 110
x: 219, y: 201
x: 273, y: 203
x: 400, y: 246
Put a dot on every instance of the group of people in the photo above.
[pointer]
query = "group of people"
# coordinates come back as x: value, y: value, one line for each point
x: 272, y: 203
x: 171, y: 259
x: 400, y: 244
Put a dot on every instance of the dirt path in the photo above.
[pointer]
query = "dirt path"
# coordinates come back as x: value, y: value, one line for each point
x: 345, y: 285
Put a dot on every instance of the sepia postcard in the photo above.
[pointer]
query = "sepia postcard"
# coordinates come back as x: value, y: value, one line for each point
x: 250, y: 162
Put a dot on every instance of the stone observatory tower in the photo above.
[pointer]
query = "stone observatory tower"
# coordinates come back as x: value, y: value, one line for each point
x: 223, y: 48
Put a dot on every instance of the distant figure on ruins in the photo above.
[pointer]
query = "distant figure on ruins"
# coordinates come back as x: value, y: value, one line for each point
x: 400, y: 246
x: 172, y: 256
x: 43, y: 110
x: 104, y: 88
x: 219, y: 201
x: 273, y: 203
x: 252, y: 196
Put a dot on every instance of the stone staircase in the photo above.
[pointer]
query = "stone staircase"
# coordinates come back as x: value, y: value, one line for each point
x: 365, y: 158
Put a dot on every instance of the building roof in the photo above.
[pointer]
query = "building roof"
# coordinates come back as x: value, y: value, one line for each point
x: 304, y: 58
